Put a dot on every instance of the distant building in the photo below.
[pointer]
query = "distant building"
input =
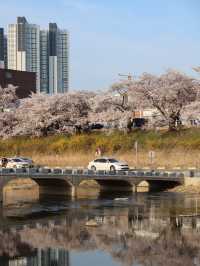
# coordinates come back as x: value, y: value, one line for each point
x: 23, y: 47
x: 3, y: 49
x: 44, y: 62
x: 144, y: 117
x: 23, y: 80
x: 5, y: 53
x: 40, y: 51
x: 54, y: 76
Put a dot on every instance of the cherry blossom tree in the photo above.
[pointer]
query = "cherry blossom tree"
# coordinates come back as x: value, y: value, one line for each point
x: 168, y: 93
x: 8, y: 123
x: 43, y: 114
x: 107, y: 108
x: 191, y: 113
x: 8, y: 97
x: 172, y: 94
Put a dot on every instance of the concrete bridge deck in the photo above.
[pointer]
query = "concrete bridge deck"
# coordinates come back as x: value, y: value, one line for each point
x: 76, y: 176
x: 85, y: 172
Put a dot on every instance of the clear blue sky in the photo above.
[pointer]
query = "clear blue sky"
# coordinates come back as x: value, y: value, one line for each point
x: 112, y: 36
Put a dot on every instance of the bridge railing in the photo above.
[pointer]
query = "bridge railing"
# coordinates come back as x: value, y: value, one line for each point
x: 86, y: 172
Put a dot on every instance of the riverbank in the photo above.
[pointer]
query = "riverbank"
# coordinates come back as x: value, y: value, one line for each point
x: 192, y: 185
x: 171, y: 149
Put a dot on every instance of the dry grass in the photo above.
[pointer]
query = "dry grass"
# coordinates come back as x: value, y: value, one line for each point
x: 64, y: 160
x: 174, y: 158
x: 173, y: 149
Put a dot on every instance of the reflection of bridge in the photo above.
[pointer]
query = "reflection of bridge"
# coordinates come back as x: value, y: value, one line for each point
x: 63, y: 180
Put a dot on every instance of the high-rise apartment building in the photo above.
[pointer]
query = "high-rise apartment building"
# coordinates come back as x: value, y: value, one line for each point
x: 40, y: 51
x: 44, y: 62
x: 5, y: 53
x: 54, y: 60
x: 58, y: 59
x: 24, y: 47
x: 3, y: 49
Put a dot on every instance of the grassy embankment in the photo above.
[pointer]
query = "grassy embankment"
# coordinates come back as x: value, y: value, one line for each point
x: 172, y: 148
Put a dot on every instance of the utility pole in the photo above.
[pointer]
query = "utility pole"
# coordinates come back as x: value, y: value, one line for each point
x: 136, y: 153
x: 124, y: 91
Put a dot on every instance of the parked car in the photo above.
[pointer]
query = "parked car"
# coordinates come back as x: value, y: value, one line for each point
x: 25, y: 159
x: 107, y: 164
x: 18, y: 163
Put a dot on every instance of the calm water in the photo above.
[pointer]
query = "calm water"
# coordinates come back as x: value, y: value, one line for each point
x: 142, y: 229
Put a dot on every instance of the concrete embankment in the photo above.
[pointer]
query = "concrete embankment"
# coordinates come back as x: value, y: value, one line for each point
x: 22, y: 189
x: 191, y: 185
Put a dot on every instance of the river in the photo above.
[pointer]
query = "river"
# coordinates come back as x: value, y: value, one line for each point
x: 140, y: 229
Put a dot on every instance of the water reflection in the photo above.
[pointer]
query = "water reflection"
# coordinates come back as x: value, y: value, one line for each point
x: 159, y: 229
x: 48, y: 257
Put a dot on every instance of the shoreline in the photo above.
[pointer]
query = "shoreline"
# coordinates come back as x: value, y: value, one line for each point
x: 192, y: 185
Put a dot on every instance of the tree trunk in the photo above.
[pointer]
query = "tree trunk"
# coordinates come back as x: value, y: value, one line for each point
x: 174, y: 122
x: 172, y: 125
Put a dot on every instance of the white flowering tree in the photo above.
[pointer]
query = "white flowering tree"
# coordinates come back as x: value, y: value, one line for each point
x: 8, y: 104
x: 8, y: 97
x: 8, y: 123
x: 168, y: 93
x: 191, y: 113
x: 43, y: 114
x: 40, y: 115
x: 107, y: 108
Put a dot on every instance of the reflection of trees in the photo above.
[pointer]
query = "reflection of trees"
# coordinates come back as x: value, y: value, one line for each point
x: 11, y: 244
x: 117, y: 235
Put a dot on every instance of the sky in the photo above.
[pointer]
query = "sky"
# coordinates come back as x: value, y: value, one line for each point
x: 108, y: 37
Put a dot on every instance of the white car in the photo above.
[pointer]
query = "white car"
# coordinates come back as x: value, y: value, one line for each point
x: 17, y: 163
x: 25, y: 159
x: 107, y: 164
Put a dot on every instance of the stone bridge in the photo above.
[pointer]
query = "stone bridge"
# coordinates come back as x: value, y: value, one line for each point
x: 67, y: 180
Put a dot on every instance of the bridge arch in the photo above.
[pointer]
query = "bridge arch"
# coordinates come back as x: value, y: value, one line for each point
x: 115, y: 185
x: 30, y: 189
x: 54, y: 186
x: 159, y: 185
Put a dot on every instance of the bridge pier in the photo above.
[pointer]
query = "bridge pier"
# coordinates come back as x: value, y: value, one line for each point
x: 74, y: 191
x: 2, y: 183
x: 1, y: 194
x: 135, y: 188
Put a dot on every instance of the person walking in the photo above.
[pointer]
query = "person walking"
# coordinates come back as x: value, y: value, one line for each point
x: 98, y: 151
